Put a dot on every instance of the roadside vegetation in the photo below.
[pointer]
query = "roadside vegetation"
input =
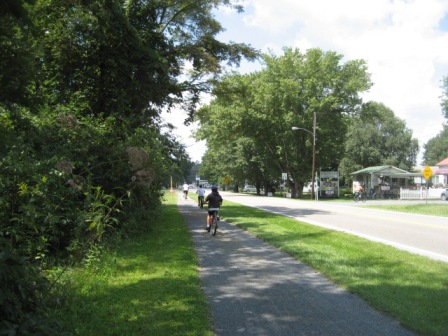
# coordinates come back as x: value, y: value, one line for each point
x: 150, y: 284
x: 147, y: 285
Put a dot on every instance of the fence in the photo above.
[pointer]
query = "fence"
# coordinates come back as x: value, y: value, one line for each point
x: 420, y: 193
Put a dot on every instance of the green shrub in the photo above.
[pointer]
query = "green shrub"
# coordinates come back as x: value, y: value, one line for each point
x: 21, y: 292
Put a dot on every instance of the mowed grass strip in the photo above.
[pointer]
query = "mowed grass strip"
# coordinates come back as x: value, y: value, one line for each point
x: 440, y: 210
x: 147, y: 285
x: 411, y: 288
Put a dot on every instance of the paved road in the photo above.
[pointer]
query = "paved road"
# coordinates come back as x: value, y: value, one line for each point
x: 420, y: 234
x: 254, y: 289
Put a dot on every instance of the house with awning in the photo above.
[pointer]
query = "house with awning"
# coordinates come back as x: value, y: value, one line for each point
x: 442, y: 171
x: 384, y: 180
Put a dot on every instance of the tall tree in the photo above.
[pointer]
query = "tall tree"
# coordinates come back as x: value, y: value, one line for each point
x: 264, y: 106
x: 377, y: 137
x: 436, y: 149
x: 130, y: 58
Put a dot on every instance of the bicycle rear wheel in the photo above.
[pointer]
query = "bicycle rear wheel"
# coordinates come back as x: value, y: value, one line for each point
x: 214, y: 226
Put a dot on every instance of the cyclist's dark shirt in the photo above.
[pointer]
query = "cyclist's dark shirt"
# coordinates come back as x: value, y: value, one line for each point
x: 214, y: 200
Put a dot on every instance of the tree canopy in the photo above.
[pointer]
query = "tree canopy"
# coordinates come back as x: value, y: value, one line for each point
x: 436, y: 149
x: 377, y: 137
x: 257, y: 111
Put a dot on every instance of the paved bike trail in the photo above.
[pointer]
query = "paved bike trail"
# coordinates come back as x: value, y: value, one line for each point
x: 254, y: 289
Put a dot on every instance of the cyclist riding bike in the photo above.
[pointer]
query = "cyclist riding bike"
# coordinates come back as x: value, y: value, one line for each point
x: 214, y: 201
x: 359, y: 191
x: 185, y: 188
x: 201, y: 194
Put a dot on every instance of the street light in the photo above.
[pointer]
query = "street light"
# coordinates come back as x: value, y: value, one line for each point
x: 313, y: 134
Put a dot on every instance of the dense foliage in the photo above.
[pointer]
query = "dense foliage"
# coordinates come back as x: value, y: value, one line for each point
x: 377, y: 137
x: 436, y: 149
x: 257, y: 112
x: 84, y: 153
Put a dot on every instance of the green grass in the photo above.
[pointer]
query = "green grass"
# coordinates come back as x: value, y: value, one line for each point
x: 150, y: 286
x: 411, y: 288
x: 425, y: 209
x: 144, y: 286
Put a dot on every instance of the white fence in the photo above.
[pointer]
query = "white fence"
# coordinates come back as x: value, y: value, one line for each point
x: 420, y: 193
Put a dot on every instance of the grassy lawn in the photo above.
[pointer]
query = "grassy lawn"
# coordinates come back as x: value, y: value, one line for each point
x: 411, y: 288
x: 144, y: 286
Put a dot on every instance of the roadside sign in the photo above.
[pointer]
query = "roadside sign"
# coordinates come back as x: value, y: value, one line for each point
x: 284, y: 176
x: 427, y: 172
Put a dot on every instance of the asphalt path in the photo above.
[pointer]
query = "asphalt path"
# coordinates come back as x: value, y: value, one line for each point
x: 420, y: 234
x: 254, y: 289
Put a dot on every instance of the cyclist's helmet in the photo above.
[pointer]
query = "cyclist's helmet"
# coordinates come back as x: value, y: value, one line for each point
x: 214, y: 188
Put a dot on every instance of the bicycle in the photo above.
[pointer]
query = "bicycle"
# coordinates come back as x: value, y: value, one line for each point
x: 214, y: 225
x: 360, y: 196
x: 201, y: 201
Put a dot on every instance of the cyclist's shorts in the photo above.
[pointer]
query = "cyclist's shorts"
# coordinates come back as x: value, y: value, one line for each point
x: 211, y: 211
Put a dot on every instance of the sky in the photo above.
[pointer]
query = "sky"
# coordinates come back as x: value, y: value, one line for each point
x: 404, y: 42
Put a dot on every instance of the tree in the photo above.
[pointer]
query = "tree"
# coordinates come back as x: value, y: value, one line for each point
x: 264, y: 106
x: 17, y: 55
x: 377, y: 137
x: 436, y: 149
x: 128, y: 59
x: 444, y: 97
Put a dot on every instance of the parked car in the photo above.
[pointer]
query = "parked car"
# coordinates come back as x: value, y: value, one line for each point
x: 444, y: 195
x: 249, y: 188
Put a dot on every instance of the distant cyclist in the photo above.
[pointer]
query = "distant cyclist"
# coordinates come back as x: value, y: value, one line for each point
x: 359, y: 191
x: 185, y: 187
x: 201, y: 194
x: 214, y: 201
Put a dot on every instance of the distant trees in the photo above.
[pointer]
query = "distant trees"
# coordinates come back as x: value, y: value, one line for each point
x: 436, y: 149
x: 248, y: 124
x: 377, y: 137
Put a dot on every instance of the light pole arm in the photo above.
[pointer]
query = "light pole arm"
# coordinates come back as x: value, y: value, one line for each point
x: 294, y: 128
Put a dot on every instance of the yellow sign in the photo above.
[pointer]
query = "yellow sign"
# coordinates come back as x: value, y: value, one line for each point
x: 226, y: 180
x: 427, y: 172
